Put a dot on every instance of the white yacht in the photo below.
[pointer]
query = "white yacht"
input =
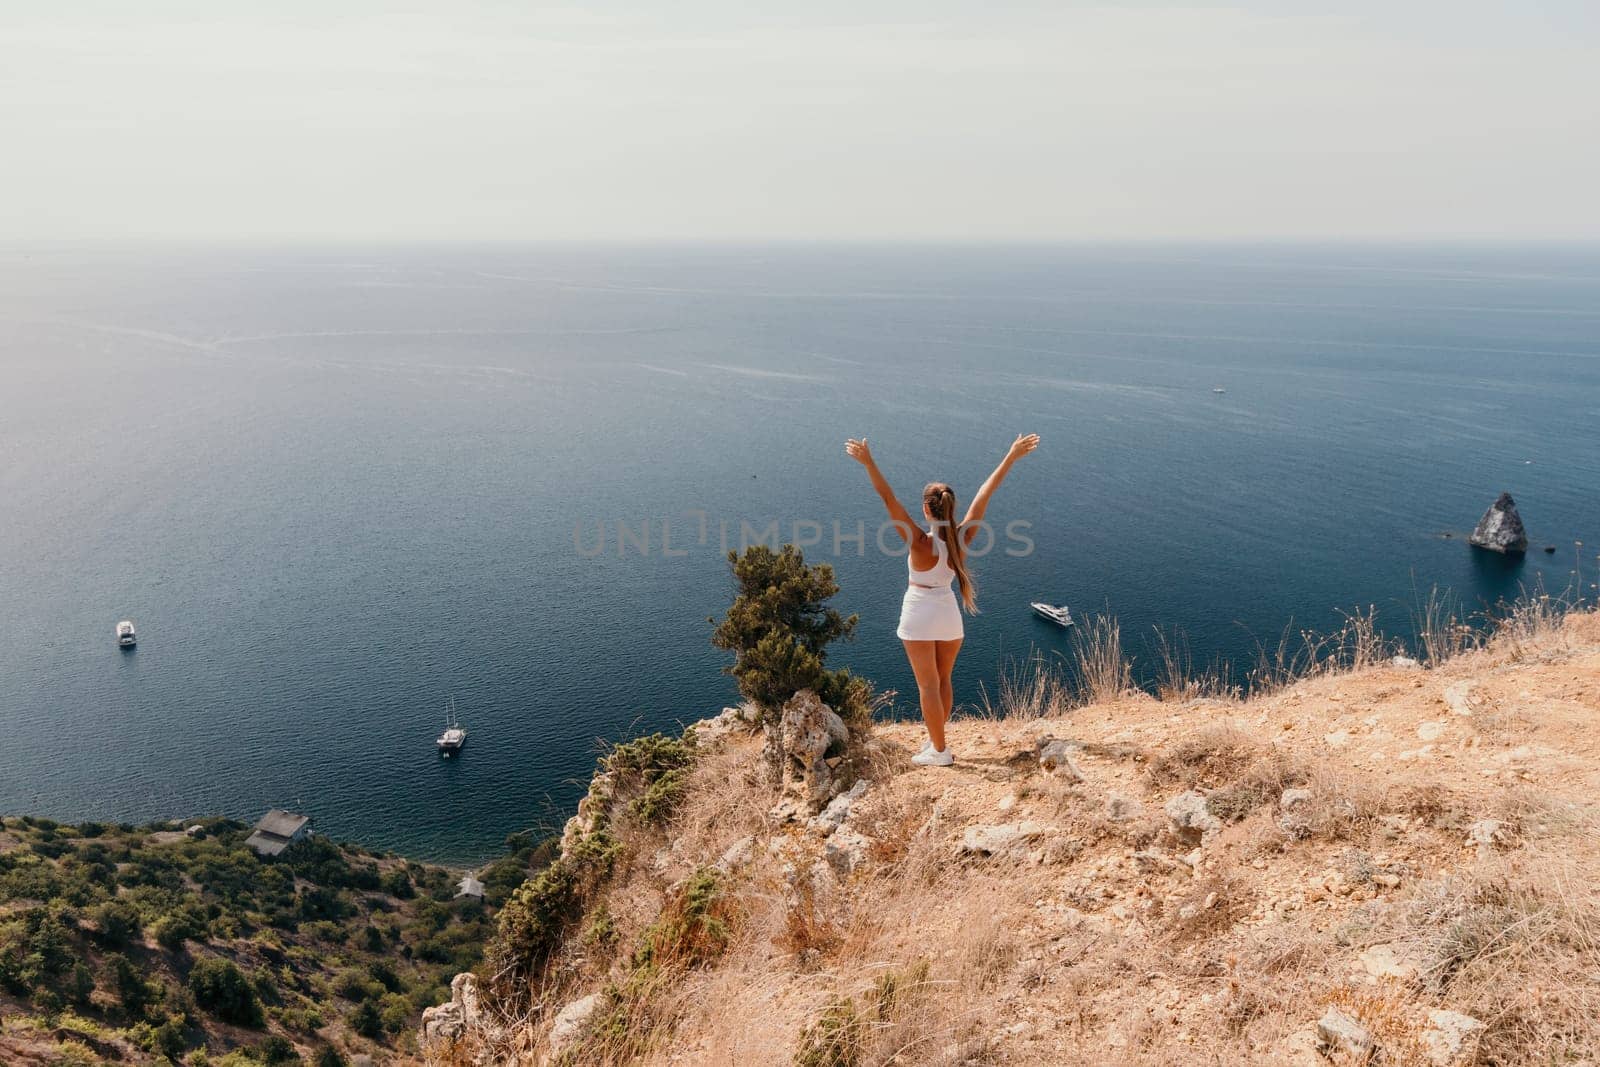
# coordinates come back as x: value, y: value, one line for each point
x: 454, y: 736
x: 1061, y: 616
x: 125, y: 634
x: 1219, y: 389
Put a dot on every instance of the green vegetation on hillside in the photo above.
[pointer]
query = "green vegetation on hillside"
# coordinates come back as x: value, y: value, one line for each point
x: 150, y: 944
x: 639, y: 783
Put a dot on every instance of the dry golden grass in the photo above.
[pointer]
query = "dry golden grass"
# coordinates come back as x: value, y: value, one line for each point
x: 1027, y: 693
x: 1096, y: 942
x: 1102, y: 672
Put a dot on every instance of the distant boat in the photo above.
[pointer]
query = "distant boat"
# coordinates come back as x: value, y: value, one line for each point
x: 125, y: 635
x: 454, y: 736
x: 1219, y: 389
x: 1061, y: 616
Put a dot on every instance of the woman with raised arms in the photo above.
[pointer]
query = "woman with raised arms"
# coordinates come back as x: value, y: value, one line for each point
x: 930, y: 617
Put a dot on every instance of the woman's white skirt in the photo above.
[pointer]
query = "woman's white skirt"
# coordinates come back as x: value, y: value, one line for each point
x: 930, y: 615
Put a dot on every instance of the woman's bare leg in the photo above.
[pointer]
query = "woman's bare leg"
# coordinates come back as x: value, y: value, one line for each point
x: 945, y: 659
x: 924, y: 657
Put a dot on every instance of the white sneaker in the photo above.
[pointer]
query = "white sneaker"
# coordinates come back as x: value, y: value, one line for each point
x: 932, y: 757
x: 926, y: 746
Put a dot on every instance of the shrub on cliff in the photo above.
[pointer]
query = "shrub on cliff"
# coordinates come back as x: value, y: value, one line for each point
x: 692, y: 929
x: 540, y: 912
x: 654, y: 771
x: 779, y: 628
x: 779, y: 625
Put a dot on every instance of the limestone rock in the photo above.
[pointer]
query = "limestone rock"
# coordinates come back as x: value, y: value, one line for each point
x: 445, y: 1024
x: 1294, y: 798
x: 1405, y: 663
x: 998, y: 840
x: 737, y: 854
x: 1300, y: 1050
x: 1500, y: 529
x: 1459, y: 698
x: 845, y: 851
x: 838, y: 809
x: 732, y: 721
x: 1150, y: 861
x: 1388, y: 961
x: 1122, y: 809
x: 1192, y: 822
x: 1294, y: 816
x: 1485, y: 834
x: 1055, y: 757
x: 808, y: 733
x: 1451, y: 1039
x: 572, y: 1021
x: 1340, y: 1034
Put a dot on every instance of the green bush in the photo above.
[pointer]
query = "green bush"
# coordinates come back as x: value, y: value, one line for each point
x: 836, y: 1039
x: 385, y: 975
x: 366, y: 1020
x: 133, y: 992
x: 397, y: 883
x: 81, y: 985
x: 176, y: 927
x: 539, y: 913
x: 601, y: 932
x: 118, y: 922
x: 278, y: 1049
x: 353, y: 983
x: 394, y: 1010
x: 36, y: 947
x: 168, y: 1039
x: 779, y: 626
x: 71, y: 1053
x: 693, y: 927
x: 220, y: 988
x: 48, y: 1001
x: 661, y: 798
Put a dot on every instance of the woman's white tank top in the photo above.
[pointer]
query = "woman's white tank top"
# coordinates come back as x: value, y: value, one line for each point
x: 940, y: 574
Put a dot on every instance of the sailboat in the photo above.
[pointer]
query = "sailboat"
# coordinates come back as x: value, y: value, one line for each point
x: 454, y: 736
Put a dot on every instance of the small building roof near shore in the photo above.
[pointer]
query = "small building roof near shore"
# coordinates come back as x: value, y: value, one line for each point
x: 469, y: 887
x: 277, y: 830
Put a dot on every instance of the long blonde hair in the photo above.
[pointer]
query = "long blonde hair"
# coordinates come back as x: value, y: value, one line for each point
x: 940, y: 501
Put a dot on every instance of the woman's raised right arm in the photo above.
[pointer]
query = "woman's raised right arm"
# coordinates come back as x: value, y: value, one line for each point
x: 858, y: 451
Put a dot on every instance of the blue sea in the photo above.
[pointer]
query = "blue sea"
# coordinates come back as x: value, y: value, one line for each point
x: 336, y: 488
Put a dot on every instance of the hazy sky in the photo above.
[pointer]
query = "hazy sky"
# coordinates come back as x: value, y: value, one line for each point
x: 473, y: 119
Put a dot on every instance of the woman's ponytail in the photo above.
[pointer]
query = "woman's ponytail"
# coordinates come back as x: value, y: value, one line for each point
x: 941, y: 502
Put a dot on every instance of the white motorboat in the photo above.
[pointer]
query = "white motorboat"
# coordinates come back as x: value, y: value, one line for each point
x: 1061, y: 616
x: 125, y: 635
x: 454, y: 736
